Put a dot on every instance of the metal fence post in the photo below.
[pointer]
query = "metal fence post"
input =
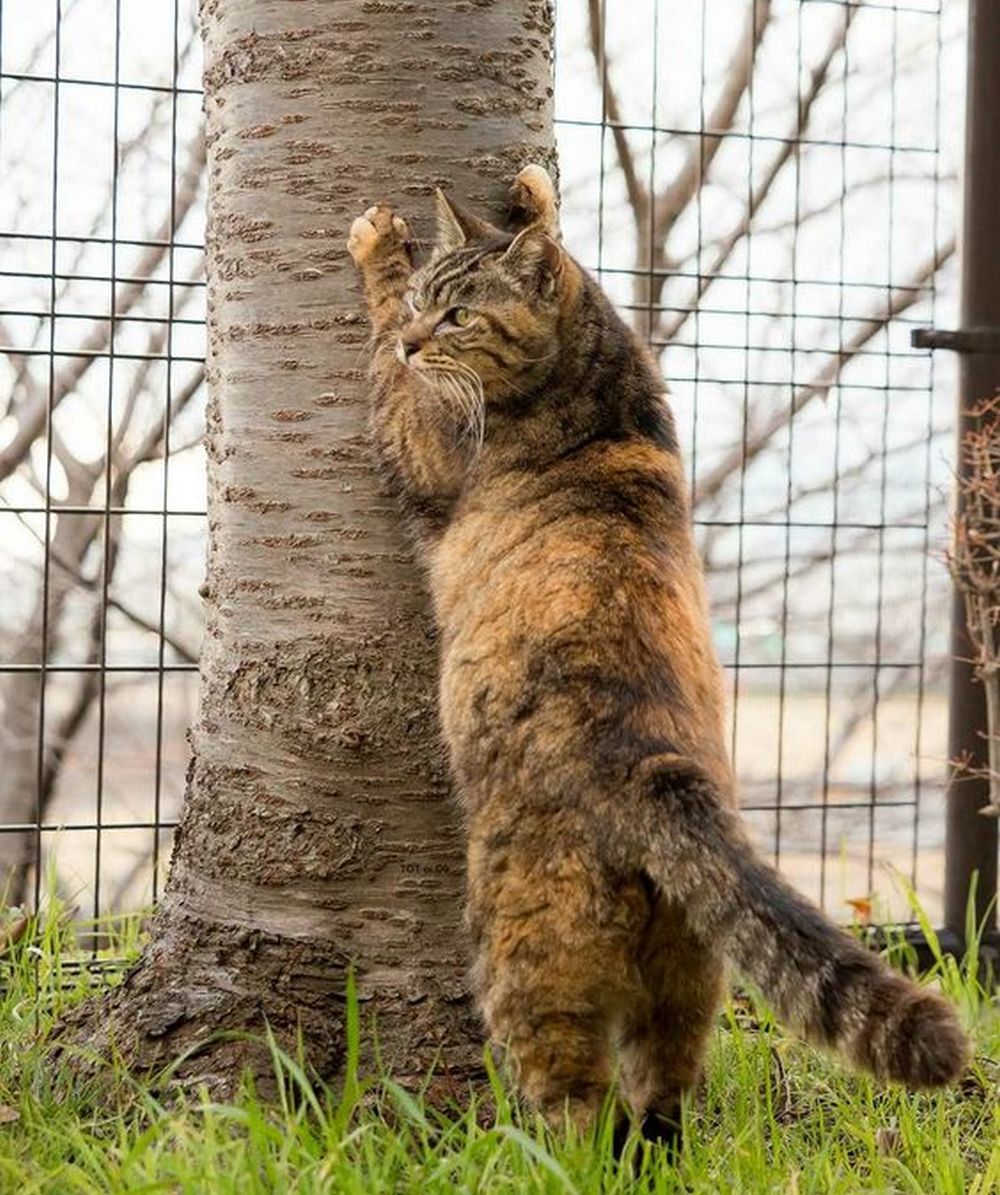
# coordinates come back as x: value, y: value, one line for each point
x: 970, y: 838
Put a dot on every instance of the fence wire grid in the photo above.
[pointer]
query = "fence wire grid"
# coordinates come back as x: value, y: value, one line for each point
x: 767, y: 190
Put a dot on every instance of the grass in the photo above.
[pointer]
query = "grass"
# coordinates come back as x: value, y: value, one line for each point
x: 775, y: 1117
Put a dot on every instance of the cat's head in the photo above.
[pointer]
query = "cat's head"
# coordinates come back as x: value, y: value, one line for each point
x: 484, y: 312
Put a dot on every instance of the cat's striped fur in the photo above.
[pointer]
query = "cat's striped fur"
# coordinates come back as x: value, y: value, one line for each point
x: 527, y: 433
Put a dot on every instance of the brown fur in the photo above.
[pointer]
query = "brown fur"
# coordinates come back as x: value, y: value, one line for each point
x: 527, y: 434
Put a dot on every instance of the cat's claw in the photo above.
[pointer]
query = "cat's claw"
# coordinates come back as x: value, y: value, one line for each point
x: 380, y: 232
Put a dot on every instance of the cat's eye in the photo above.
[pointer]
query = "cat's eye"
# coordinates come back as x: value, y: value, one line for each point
x: 460, y: 316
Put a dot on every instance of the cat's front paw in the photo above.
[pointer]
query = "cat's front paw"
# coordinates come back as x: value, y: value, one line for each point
x: 378, y: 234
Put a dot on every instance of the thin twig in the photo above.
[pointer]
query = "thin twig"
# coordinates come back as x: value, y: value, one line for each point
x: 974, y: 562
x: 672, y: 202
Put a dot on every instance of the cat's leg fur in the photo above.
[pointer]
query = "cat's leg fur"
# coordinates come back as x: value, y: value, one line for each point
x: 555, y: 942
x: 411, y: 440
x: 663, y: 1042
x: 380, y: 244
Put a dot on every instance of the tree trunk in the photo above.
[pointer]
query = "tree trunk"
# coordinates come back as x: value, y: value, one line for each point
x: 318, y: 830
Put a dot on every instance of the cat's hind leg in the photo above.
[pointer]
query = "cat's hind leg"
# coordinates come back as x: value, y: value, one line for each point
x: 665, y: 1036
x: 380, y: 244
x: 555, y: 939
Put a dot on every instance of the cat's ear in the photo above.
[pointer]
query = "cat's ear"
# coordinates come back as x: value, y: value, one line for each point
x: 533, y: 201
x: 536, y: 260
x: 454, y: 226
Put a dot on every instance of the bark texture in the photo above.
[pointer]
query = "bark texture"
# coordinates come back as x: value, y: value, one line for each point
x: 318, y: 829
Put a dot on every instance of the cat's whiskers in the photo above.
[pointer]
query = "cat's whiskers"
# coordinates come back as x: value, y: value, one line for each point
x: 463, y: 388
x: 544, y: 357
x: 477, y: 400
x: 470, y: 407
x: 452, y: 392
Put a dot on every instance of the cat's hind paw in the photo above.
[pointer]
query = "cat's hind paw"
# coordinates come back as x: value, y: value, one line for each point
x: 378, y: 234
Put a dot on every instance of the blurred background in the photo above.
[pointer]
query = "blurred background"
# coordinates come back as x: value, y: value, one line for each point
x: 768, y: 190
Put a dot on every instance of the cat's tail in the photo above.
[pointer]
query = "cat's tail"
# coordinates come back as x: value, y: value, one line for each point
x: 819, y: 979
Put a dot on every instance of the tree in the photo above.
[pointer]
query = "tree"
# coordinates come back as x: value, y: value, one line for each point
x: 317, y: 829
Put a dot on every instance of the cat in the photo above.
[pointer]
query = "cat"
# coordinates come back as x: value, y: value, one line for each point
x: 526, y: 431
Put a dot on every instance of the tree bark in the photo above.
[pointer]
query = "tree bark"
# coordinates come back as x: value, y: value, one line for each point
x: 318, y: 831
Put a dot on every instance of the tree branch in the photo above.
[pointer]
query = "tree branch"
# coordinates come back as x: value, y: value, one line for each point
x: 824, y: 486
x: 739, y: 73
x: 756, y: 440
x: 789, y: 147
x: 638, y: 196
x: 32, y: 414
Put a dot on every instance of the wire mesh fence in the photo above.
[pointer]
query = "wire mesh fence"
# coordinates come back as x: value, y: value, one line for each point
x: 766, y: 189
x: 102, y: 497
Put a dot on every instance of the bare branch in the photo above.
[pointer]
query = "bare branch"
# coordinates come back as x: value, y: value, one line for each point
x: 801, y: 564
x: 975, y: 568
x: 860, y: 710
x: 757, y: 439
x: 739, y: 73
x: 94, y: 583
x: 32, y: 414
x: 89, y: 684
x: 160, y: 108
x: 798, y: 219
x: 824, y: 485
x: 37, y: 51
x: 20, y: 702
x: 788, y: 148
x: 637, y: 194
x: 20, y: 796
x: 148, y: 447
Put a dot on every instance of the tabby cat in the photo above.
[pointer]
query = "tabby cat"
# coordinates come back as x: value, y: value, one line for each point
x: 527, y: 433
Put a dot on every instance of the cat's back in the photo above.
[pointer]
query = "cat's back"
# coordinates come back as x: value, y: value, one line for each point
x: 612, y: 501
x: 571, y: 604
